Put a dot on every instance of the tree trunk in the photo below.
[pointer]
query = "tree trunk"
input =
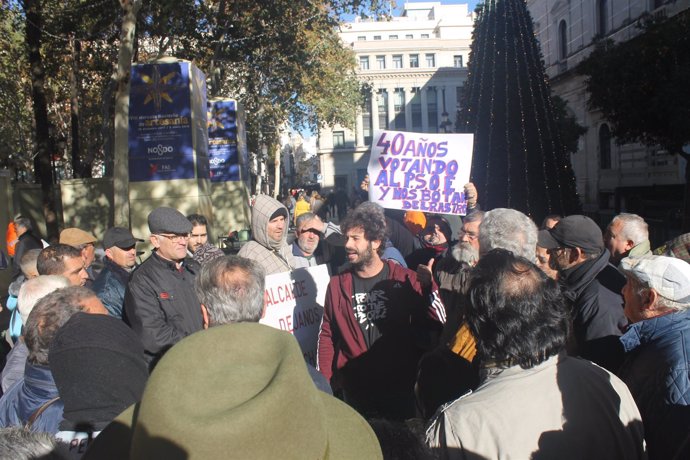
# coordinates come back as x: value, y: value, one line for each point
x: 121, y: 153
x: 107, y: 122
x: 44, y: 142
x: 214, y: 69
x: 276, y: 189
x: 77, y: 167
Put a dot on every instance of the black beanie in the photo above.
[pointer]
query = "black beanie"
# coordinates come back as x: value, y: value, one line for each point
x: 99, y: 369
x: 279, y: 212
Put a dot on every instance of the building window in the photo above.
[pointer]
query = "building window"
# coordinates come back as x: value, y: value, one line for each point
x: 416, y: 110
x: 602, y: 17
x: 458, y: 99
x: 432, y: 109
x: 364, y: 62
x: 362, y: 38
x: 399, y: 108
x: 366, y: 118
x: 409, y: 36
x: 431, y: 60
x: 380, y: 62
x: 425, y: 35
x: 414, y: 60
x: 392, y: 37
x: 397, y: 61
x: 457, y: 60
x: 338, y: 139
x: 604, y: 147
x: 377, y: 37
x: 382, y: 104
x: 562, y: 40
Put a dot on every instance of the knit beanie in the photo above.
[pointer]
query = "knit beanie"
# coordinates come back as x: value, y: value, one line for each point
x: 99, y: 369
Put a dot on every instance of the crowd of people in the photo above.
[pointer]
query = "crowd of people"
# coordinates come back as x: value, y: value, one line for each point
x: 485, y: 338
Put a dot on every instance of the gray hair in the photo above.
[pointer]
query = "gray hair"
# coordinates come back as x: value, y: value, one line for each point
x: 633, y: 228
x: 640, y: 288
x: 49, y: 315
x: 19, y: 443
x: 508, y: 229
x: 474, y: 216
x: 305, y: 217
x: 24, y: 222
x: 29, y: 261
x: 232, y: 290
x: 35, y: 289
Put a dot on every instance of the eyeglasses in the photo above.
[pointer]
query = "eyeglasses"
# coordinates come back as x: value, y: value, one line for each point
x: 469, y: 235
x: 175, y: 238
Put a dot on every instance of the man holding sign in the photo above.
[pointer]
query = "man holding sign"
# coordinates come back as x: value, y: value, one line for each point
x: 378, y: 321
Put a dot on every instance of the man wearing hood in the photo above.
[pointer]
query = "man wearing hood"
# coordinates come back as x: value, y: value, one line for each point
x: 592, y: 286
x: 269, y: 246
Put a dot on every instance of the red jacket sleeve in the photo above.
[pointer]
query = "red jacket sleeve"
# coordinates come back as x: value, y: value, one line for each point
x: 326, y: 350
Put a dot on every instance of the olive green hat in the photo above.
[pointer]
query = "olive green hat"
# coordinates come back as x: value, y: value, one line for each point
x: 236, y: 391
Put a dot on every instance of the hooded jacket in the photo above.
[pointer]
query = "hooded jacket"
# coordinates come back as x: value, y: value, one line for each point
x: 273, y: 256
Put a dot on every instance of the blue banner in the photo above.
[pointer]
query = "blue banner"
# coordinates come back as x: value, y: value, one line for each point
x: 160, y: 115
x: 222, y: 141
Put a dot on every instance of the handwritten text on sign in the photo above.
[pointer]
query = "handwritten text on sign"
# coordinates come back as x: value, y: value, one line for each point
x: 294, y: 303
x: 420, y: 171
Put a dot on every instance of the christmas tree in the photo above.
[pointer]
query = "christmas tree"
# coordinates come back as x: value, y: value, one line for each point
x: 520, y: 160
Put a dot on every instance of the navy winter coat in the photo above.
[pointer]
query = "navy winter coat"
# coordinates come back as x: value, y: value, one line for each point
x: 657, y: 371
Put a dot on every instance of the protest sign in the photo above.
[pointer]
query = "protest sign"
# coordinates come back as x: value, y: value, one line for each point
x: 294, y: 303
x: 420, y: 171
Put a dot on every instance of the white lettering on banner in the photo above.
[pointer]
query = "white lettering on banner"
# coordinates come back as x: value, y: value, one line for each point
x: 294, y: 303
x: 420, y: 171
x: 160, y: 149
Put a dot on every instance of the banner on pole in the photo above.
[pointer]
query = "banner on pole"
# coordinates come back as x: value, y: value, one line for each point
x: 294, y: 303
x: 420, y: 171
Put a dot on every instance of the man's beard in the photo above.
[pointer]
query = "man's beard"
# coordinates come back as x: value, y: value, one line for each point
x: 365, y: 258
x: 465, y: 252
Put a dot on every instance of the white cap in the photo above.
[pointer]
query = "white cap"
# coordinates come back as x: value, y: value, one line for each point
x: 668, y: 276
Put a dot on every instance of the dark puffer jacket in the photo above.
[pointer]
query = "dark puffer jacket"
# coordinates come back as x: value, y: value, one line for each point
x: 657, y: 371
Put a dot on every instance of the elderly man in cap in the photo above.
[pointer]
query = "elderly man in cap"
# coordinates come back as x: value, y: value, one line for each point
x: 120, y: 260
x: 160, y: 303
x: 591, y: 284
x: 269, y: 232
x: 86, y: 243
x: 657, y: 346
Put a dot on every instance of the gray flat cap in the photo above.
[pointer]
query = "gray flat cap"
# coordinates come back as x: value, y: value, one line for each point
x: 168, y: 220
